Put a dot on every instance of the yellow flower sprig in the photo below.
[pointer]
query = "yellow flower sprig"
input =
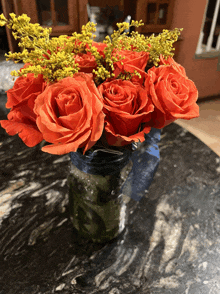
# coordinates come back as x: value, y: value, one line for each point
x: 118, y: 41
x: 128, y: 76
x: 162, y: 44
x: 55, y: 57
x: 52, y: 57
x: 121, y: 40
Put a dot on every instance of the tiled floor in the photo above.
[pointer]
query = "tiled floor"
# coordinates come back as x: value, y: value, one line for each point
x: 207, y: 126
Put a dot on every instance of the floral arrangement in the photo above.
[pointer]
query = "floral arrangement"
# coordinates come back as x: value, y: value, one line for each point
x: 75, y: 93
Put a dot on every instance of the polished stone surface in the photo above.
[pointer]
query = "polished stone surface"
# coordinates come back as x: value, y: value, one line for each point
x: 6, y: 80
x: 171, y: 245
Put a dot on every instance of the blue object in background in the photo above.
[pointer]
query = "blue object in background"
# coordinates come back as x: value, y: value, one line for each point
x: 145, y: 163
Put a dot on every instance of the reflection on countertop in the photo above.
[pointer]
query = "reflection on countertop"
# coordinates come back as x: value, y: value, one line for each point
x: 171, y: 244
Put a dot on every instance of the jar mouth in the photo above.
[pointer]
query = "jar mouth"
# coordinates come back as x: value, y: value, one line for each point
x: 100, y: 162
x: 144, y: 158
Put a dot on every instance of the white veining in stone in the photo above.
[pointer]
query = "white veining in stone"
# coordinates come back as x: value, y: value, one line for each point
x: 62, y: 159
x: 39, y: 192
x: 128, y: 259
x: 63, y: 183
x: 5, y: 210
x: 183, y: 133
x: 114, y: 291
x: 60, y: 287
x: 172, y: 248
x: 62, y: 222
x: 203, y: 265
x: 54, y: 197
x: 102, y: 275
x: 190, y: 245
x: 31, y: 187
x: 165, y: 230
x: 218, y: 169
x: 122, y: 217
x: 6, y: 198
x: 6, y: 80
x: 41, y: 230
x: 23, y: 173
x: 67, y: 273
x: 167, y: 283
x: 73, y: 281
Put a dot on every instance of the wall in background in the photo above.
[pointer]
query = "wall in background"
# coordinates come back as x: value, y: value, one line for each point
x: 188, y: 15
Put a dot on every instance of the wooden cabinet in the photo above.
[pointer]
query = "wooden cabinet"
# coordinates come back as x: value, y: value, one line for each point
x: 64, y: 16
x: 104, y: 3
x: 156, y: 14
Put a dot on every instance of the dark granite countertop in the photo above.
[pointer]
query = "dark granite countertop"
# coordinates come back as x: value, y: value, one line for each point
x: 171, y: 245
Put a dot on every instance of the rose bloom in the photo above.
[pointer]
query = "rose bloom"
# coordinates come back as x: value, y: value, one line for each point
x: 100, y: 47
x: 86, y: 62
x: 128, y: 109
x: 21, y: 118
x: 132, y: 61
x: 171, y: 61
x: 69, y: 114
x: 173, y: 94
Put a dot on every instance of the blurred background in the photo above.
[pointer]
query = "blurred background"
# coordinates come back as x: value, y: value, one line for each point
x: 198, y: 48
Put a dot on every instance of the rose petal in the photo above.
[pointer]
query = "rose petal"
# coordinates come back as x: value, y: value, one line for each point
x: 81, y: 121
x: 172, y: 93
x: 29, y: 134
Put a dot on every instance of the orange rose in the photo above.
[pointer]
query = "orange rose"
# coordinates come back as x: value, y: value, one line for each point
x: 21, y: 118
x: 173, y: 94
x: 86, y: 62
x: 69, y: 114
x: 100, y: 47
x: 171, y: 61
x: 128, y: 109
x: 132, y: 61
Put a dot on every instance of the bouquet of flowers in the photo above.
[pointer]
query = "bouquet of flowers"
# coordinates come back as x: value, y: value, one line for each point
x: 104, y: 104
x: 75, y: 93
